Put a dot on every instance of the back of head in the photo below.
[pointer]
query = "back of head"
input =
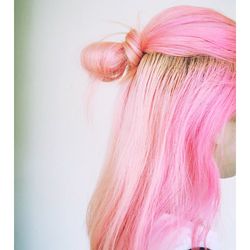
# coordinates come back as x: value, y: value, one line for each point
x: 189, y: 31
x: 179, y: 92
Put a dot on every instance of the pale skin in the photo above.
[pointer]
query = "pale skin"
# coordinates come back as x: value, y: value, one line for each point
x: 225, y: 153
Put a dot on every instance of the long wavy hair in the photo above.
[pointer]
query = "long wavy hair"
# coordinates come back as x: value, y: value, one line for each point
x: 177, y: 93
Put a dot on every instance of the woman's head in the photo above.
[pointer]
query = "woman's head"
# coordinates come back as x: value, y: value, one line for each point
x: 179, y: 31
x: 178, y: 93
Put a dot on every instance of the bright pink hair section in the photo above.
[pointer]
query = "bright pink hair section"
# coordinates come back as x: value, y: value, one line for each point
x: 178, y: 93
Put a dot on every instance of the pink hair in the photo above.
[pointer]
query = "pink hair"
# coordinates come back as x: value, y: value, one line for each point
x: 178, y: 92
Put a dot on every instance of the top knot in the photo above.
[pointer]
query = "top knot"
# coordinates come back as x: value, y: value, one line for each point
x: 107, y: 61
x: 132, y: 47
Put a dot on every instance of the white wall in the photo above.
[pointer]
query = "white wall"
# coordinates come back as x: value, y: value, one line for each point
x: 59, y: 147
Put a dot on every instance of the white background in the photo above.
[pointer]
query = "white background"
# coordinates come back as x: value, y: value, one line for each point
x: 60, y: 144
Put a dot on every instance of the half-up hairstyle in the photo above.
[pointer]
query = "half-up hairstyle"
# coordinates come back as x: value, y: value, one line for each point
x: 177, y: 94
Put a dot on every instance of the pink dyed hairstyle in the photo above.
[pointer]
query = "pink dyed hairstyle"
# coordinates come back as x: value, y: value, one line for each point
x: 178, y: 92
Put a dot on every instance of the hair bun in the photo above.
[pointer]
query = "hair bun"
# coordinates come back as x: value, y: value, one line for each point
x: 104, y: 60
x: 107, y: 61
